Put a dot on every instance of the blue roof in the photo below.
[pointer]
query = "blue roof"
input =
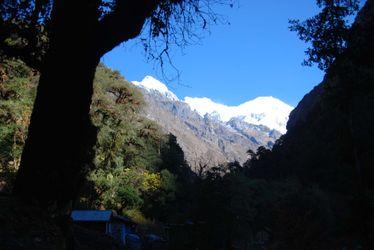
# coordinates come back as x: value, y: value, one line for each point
x: 91, y: 215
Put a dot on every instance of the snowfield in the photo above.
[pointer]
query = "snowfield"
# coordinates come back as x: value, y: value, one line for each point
x: 265, y: 110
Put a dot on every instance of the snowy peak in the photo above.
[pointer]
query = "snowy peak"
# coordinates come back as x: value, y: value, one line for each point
x: 267, y: 110
x: 149, y: 83
x: 205, y: 105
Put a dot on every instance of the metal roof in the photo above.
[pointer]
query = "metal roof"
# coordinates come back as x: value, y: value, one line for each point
x: 91, y: 215
x: 98, y: 215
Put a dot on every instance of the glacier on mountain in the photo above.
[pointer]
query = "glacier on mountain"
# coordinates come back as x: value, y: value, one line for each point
x: 265, y: 110
x: 150, y: 83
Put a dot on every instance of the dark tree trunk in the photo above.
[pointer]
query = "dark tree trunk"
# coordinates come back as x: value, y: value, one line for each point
x: 58, y: 150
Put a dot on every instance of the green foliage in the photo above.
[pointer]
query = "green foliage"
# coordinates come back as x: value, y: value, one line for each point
x: 327, y: 32
x: 237, y: 210
x: 114, y: 111
x: 159, y: 202
x: 128, y: 174
x: 232, y: 207
x: 17, y: 93
x: 130, y: 171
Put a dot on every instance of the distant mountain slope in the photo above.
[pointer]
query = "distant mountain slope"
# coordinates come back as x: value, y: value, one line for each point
x: 205, y: 137
x: 267, y: 111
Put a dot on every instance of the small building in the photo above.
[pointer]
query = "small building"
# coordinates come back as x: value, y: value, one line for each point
x: 106, y: 222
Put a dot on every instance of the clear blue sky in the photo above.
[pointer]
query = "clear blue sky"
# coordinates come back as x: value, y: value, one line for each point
x: 256, y: 55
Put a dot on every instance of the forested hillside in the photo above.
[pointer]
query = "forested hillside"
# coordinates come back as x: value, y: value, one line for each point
x: 136, y: 165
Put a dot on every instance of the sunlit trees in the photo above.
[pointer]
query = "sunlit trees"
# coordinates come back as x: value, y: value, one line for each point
x: 129, y: 173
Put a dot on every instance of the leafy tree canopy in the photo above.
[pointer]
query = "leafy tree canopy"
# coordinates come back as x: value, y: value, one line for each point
x: 327, y: 32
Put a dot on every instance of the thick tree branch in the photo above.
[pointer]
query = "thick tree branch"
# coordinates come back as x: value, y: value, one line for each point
x: 123, y: 23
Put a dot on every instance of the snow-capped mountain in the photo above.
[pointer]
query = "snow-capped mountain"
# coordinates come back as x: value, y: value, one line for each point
x: 211, y: 133
x: 268, y: 111
x: 150, y: 83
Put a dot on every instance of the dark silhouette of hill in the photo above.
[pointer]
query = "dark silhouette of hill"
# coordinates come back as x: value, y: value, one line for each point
x: 330, y: 143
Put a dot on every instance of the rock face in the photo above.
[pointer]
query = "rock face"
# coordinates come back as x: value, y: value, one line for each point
x: 206, y: 139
